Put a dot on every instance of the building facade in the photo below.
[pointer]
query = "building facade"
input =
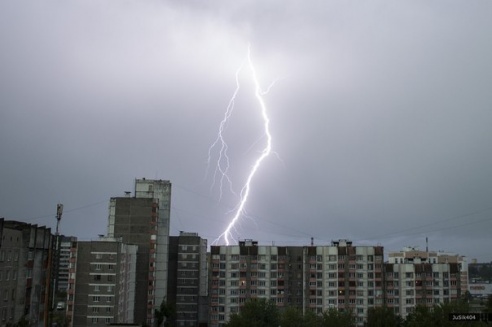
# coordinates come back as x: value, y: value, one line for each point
x: 314, y: 278
x: 25, y: 269
x: 414, y: 277
x: 144, y: 220
x: 102, y: 290
x: 64, y: 262
x: 188, y: 279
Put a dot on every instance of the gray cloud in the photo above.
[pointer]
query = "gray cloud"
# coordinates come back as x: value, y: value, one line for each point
x: 380, y: 116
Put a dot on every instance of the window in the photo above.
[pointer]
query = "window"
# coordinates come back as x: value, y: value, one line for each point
x: 110, y: 278
x: 95, y: 299
x: 98, y: 266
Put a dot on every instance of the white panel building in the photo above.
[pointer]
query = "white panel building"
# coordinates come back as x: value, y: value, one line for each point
x: 416, y: 277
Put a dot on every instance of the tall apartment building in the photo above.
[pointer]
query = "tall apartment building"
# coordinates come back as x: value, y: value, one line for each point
x: 144, y: 220
x: 344, y: 276
x: 313, y: 278
x: 25, y: 289
x: 416, y: 277
x: 64, y: 262
x: 102, y: 290
x: 188, y: 279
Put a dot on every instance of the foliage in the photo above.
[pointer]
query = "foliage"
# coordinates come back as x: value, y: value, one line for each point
x: 263, y: 313
x: 438, y: 315
x: 333, y: 317
x: 292, y: 317
x: 256, y: 313
x: 488, y: 307
x: 165, y: 314
x: 383, y: 317
x: 23, y: 322
x: 421, y: 316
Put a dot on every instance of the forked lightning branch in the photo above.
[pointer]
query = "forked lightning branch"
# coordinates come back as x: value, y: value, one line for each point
x: 222, y: 165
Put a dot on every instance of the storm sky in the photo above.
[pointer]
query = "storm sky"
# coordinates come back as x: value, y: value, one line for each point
x: 380, y: 116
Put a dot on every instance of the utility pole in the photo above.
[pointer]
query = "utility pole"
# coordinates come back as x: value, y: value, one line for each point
x: 55, y: 259
x: 59, y: 212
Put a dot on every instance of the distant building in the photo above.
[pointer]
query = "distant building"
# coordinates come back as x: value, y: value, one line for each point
x: 480, y: 279
x: 426, y: 278
x: 103, y: 288
x: 480, y: 272
x: 314, y: 278
x: 143, y: 220
x: 25, y: 289
x: 188, y: 279
x: 480, y: 290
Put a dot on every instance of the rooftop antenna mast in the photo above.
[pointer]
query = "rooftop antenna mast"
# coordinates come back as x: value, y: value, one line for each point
x: 59, y: 212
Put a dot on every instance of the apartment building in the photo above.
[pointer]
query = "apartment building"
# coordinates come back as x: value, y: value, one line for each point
x: 188, y: 279
x: 314, y: 278
x: 25, y: 255
x: 345, y: 277
x: 101, y: 288
x: 414, y: 277
x: 64, y: 262
x: 143, y: 220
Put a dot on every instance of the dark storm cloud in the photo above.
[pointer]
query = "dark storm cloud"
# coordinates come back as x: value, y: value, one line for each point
x: 380, y: 116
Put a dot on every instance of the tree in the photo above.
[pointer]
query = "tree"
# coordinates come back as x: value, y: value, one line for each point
x: 334, y: 318
x: 165, y: 314
x: 292, y: 317
x: 488, y: 307
x: 438, y: 315
x: 256, y: 313
x: 421, y: 316
x: 383, y: 317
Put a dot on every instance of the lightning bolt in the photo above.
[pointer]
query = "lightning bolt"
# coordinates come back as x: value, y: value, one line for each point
x: 223, y: 162
x: 267, y: 150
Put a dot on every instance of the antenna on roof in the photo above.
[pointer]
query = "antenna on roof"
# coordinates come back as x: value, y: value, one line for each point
x: 59, y: 212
